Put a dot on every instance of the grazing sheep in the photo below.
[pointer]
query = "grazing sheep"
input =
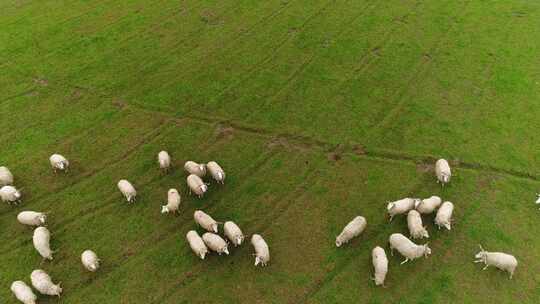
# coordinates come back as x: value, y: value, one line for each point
x: 262, y: 253
x: 401, y: 206
x: 380, y: 264
x: 205, y: 221
x: 444, y: 215
x: 127, y: 190
x: 353, y: 229
x: 197, y: 244
x: 217, y: 173
x: 10, y: 194
x: 414, y: 222
x: 43, y: 283
x: 90, y: 260
x: 407, y: 248
x: 41, y: 240
x: 58, y: 162
x: 428, y: 205
x: 23, y: 292
x: 32, y: 218
x: 194, y: 168
x: 442, y: 170
x: 173, y: 201
x: 233, y: 233
x: 538, y: 200
x: 196, y: 185
x: 164, y: 160
x: 503, y: 261
x: 6, y: 178
x: 215, y: 243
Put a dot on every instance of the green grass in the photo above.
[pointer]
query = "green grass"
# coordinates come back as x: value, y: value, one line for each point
x: 318, y: 111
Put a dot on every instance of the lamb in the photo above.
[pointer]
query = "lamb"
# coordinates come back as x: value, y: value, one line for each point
x: 32, y: 218
x: 205, y: 221
x: 414, y: 222
x: 23, y: 292
x: 407, y: 248
x: 164, y: 160
x: 380, y: 264
x: 197, y: 244
x: 262, y: 253
x: 233, y: 233
x: 444, y: 215
x: 215, y: 243
x: 58, y: 162
x: 216, y: 171
x: 43, y: 283
x: 10, y: 194
x: 353, y: 229
x: 401, y: 206
x: 6, y: 178
x: 173, y: 201
x: 41, y: 239
x: 196, y: 185
x: 90, y: 260
x: 428, y: 205
x: 127, y: 190
x: 194, y: 168
x: 503, y: 261
x: 442, y: 171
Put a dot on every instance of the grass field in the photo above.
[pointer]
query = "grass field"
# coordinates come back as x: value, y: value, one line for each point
x: 318, y: 110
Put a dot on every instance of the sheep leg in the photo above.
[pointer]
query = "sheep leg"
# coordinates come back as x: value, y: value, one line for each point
x: 485, y: 267
x: 478, y: 261
x: 406, y: 260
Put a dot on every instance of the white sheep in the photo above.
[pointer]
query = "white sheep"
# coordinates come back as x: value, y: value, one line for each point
x: 194, y: 168
x: 538, y: 200
x: 23, y: 292
x: 164, y: 160
x: 41, y: 240
x: 442, y: 171
x: 90, y: 260
x: 59, y: 162
x: 353, y: 229
x: 10, y: 194
x: 43, y: 283
x: 173, y: 201
x: 205, y: 221
x: 216, y: 171
x: 428, y: 205
x: 503, y: 261
x: 127, y: 190
x: 380, y: 264
x: 196, y: 185
x: 197, y: 244
x: 32, y: 218
x: 6, y: 178
x: 262, y: 252
x: 215, y: 243
x: 444, y: 215
x: 414, y: 223
x: 407, y: 248
x: 401, y: 206
x: 233, y: 233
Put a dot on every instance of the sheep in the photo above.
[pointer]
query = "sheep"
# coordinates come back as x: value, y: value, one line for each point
x: 503, y: 261
x: 380, y: 264
x: 10, y: 194
x: 58, y: 162
x: 401, y: 206
x: 43, y: 283
x: 215, y: 243
x: 6, y: 178
x: 32, y: 218
x: 216, y: 171
x: 407, y: 248
x: 23, y: 292
x: 41, y: 239
x: 197, y: 244
x: 90, y: 260
x: 127, y: 190
x: 173, y: 201
x: 444, y: 215
x: 205, y: 221
x: 164, y: 160
x: 196, y: 185
x: 428, y: 205
x: 353, y: 229
x: 442, y: 171
x: 262, y: 253
x: 538, y: 200
x: 194, y: 168
x: 233, y: 233
x: 414, y: 222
